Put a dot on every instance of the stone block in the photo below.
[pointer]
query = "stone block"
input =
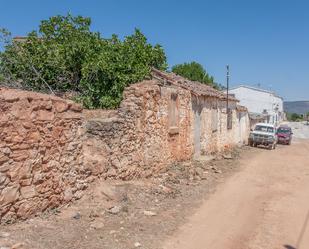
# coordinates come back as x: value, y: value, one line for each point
x: 45, y: 115
x: 75, y: 107
x: 20, y: 112
x: 6, y: 151
x: 38, y: 178
x: 25, y: 170
x: 19, y: 155
x: 33, y: 137
x: 61, y: 106
x: 28, y: 192
x: 9, y: 195
x: 70, y: 115
x: 25, y: 182
x: 3, y: 179
x: 27, y: 124
x: 4, y: 167
x: 13, y: 171
x: 3, y: 159
x: 26, y: 209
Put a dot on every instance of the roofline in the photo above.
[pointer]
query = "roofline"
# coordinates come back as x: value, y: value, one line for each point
x: 257, y: 89
x: 165, y: 76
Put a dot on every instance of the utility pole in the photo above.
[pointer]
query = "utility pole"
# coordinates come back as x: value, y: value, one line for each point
x: 228, y: 115
x: 227, y: 87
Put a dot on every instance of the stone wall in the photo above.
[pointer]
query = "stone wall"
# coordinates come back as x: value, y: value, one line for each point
x: 138, y: 140
x: 51, y: 149
x: 40, y: 153
x: 155, y: 126
x: 217, y: 139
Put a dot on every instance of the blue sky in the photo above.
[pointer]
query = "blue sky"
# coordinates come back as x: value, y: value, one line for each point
x: 264, y: 41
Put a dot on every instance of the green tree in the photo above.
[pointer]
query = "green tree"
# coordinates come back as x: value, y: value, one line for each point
x: 5, y: 39
x: 195, y: 72
x: 294, y: 117
x: 65, y: 55
x: 53, y: 56
x: 118, y: 64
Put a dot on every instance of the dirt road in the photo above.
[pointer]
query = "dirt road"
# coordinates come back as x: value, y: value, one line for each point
x: 300, y: 129
x: 264, y: 206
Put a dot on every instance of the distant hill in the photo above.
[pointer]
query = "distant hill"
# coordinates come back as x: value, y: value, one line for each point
x: 298, y: 107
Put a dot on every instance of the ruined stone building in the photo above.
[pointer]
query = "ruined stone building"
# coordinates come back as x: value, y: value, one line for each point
x: 51, y: 149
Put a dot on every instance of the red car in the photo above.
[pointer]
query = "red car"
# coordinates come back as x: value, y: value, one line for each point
x: 284, y: 134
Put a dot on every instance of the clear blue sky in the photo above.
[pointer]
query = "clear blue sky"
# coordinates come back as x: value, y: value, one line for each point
x: 264, y: 41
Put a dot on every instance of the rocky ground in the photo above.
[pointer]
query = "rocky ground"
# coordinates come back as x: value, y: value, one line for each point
x: 124, y: 215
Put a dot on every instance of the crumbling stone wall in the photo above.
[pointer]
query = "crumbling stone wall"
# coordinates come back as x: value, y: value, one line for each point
x: 138, y: 140
x: 154, y: 127
x: 217, y: 139
x: 40, y: 153
x: 51, y: 149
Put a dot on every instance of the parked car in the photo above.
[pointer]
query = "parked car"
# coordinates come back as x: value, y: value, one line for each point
x: 284, y: 134
x: 263, y: 134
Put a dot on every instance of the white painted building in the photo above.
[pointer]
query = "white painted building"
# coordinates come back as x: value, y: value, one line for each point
x: 260, y: 101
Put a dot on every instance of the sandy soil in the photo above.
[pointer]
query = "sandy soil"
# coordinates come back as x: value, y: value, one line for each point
x: 264, y: 206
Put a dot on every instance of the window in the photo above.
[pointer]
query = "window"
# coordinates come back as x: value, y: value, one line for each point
x: 173, y: 114
x: 264, y: 128
x: 284, y: 130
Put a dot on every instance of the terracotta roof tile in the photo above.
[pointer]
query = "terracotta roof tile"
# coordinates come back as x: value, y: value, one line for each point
x: 195, y: 87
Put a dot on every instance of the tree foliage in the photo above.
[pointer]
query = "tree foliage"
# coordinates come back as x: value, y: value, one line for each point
x: 65, y: 55
x: 294, y: 117
x: 195, y: 72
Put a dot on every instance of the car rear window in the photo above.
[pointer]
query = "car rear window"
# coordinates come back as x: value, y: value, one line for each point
x: 264, y: 128
x: 284, y: 130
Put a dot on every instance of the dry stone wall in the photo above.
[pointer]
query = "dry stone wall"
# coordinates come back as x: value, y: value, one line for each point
x: 155, y: 126
x: 40, y: 153
x: 138, y: 140
x: 51, y: 149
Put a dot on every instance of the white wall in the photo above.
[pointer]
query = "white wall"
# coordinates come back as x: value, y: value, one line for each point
x: 257, y: 101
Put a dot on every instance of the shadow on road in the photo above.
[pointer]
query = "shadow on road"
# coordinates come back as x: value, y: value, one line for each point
x: 289, y: 247
x: 301, y: 235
